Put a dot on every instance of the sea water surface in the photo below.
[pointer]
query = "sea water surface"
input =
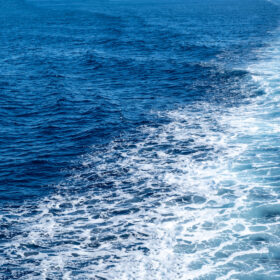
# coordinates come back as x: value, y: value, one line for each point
x: 139, y: 139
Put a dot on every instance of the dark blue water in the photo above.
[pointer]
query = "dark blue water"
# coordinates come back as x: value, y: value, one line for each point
x: 139, y: 139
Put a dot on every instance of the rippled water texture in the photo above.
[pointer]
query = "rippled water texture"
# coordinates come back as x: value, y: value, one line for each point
x: 139, y: 139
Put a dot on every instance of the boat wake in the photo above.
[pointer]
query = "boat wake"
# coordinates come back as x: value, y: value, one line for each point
x: 196, y: 197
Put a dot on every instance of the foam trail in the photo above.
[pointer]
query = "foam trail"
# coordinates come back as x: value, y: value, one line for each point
x: 195, y: 198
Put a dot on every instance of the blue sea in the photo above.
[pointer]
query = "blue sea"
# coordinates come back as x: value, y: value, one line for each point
x: 139, y: 139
